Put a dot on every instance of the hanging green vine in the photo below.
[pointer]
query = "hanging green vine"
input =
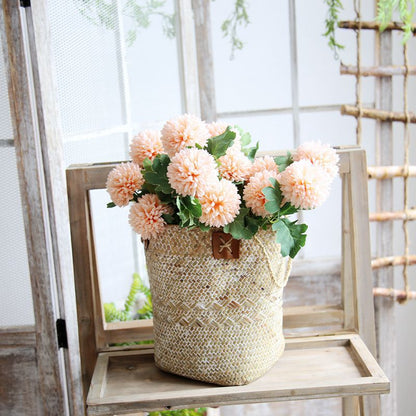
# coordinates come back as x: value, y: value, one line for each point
x: 238, y: 17
x: 139, y: 13
x: 331, y: 24
x: 385, y: 11
x: 406, y: 10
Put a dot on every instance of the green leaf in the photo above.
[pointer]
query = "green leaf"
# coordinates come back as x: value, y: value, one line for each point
x: 147, y: 164
x: 283, y: 162
x: 111, y: 205
x: 245, y: 139
x: 251, y: 152
x: 189, y: 210
x: 217, y: 146
x: 156, y: 174
x: 241, y: 227
x: 290, y: 235
x: 169, y: 218
x: 273, y: 196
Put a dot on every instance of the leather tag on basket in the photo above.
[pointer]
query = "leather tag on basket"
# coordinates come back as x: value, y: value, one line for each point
x: 224, y: 246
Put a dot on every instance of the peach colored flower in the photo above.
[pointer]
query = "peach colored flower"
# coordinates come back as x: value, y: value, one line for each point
x: 253, y: 194
x: 234, y: 165
x: 318, y: 153
x: 304, y: 184
x: 123, y: 181
x: 146, y: 144
x: 183, y: 131
x: 264, y: 163
x: 145, y: 217
x: 191, y: 171
x: 217, y: 128
x: 220, y: 204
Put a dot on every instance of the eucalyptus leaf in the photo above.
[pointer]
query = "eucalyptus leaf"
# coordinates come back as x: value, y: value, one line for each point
x: 283, y: 162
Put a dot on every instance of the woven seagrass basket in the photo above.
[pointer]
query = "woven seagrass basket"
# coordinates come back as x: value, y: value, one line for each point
x: 216, y: 320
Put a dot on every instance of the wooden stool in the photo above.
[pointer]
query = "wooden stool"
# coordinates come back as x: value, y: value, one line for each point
x: 316, y: 364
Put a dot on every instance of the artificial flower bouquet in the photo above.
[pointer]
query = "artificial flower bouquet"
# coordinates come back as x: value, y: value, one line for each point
x: 194, y: 174
x: 219, y: 241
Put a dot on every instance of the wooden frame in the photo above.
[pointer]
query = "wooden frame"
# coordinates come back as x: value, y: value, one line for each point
x: 354, y: 316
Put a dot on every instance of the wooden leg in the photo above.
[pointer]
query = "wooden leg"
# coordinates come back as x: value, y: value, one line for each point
x: 351, y: 406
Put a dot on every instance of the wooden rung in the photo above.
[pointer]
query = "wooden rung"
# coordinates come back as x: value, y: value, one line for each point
x: 377, y: 71
x: 396, y: 294
x: 392, y: 261
x: 381, y: 115
x: 388, y: 172
x: 352, y: 24
x: 396, y: 215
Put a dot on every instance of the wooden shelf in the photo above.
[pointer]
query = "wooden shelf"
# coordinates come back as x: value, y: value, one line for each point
x: 311, y: 367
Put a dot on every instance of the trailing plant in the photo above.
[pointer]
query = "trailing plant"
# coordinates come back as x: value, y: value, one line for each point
x: 385, y: 11
x: 331, y: 24
x: 104, y: 13
x: 238, y: 17
x: 406, y: 9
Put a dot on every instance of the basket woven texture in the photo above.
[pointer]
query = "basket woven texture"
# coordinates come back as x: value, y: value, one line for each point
x: 216, y: 320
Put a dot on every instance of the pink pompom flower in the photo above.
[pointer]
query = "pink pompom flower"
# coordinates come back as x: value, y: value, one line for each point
x: 183, y: 131
x: 264, y: 163
x: 304, y: 184
x: 123, y: 181
x: 220, y: 204
x: 145, y: 217
x: 146, y: 144
x: 253, y: 194
x: 320, y: 154
x: 234, y: 165
x: 191, y: 171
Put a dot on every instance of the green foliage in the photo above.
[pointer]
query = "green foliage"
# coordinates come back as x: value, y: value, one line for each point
x: 245, y: 141
x: 217, y: 146
x: 283, y: 162
x: 245, y: 225
x: 104, y: 13
x: 331, y: 24
x: 181, y: 412
x: 189, y: 210
x: 290, y: 235
x: 113, y: 315
x: 406, y: 9
x: 238, y: 17
x: 155, y: 174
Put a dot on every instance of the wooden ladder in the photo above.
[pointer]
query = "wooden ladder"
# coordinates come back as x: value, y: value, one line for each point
x: 331, y: 355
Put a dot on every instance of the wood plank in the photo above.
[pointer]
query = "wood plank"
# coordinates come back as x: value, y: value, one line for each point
x: 188, y: 70
x: 55, y: 182
x: 313, y: 316
x: 313, y: 367
x: 385, y: 307
x: 202, y: 22
x: 20, y: 384
x: 35, y: 211
x: 18, y: 336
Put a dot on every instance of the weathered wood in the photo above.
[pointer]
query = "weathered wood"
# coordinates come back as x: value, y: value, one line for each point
x: 304, y: 371
x: 384, y: 307
x: 399, y: 295
x: 381, y: 262
x: 56, y: 195
x: 185, y: 35
x: 18, y: 336
x: 202, y: 21
x: 352, y: 24
x: 381, y: 115
x: 388, y: 172
x: 377, y: 71
x: 35, y: 211
x: 20, y: 383
x: 409, y: 215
